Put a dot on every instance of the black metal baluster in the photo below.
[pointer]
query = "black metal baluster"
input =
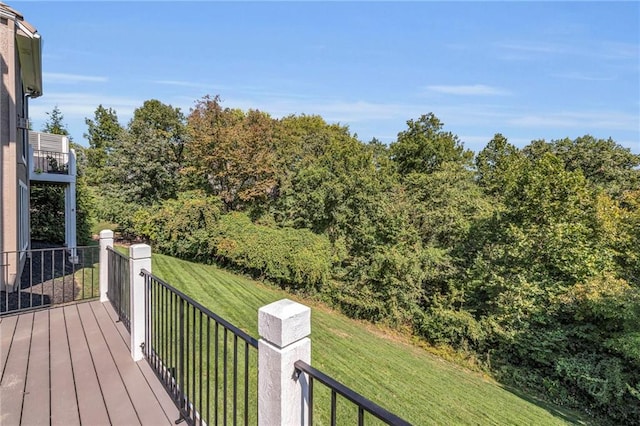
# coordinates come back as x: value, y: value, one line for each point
x: 201, y: 409
x: 235, y: 379
x: 208, y: 369
x: 53, y: 275
x: 193, y: 366
x: 333, y: 407
x: 30, y: 282
x: 246, y: 383
x: 224, y: 367
x: 310, y: 399
x: 181, y: 354
x: 64, y: 276
x: 216, y: 350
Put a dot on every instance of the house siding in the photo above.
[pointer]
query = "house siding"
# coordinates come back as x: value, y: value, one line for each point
x: 13, y: 140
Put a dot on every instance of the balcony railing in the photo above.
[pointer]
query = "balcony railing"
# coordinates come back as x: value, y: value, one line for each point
x: 51, y: 162
x: 208, y: 366
x: 44, y: 277
x: 119, y: 281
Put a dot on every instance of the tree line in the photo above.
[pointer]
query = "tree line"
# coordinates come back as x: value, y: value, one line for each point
x: 525, y: 259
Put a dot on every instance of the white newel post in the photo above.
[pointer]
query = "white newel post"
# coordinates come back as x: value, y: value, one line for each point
x: 106, y: 240
x: 139, y: 259
x: 284, y: 327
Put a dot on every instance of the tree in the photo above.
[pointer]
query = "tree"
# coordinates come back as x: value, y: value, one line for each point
x: 55, y: 123
x: 424, y: 146
x: 234, y: 151
x: 496, y: 165
x: 167, y: 122
x: 602, y: 161
x: 104, y: 133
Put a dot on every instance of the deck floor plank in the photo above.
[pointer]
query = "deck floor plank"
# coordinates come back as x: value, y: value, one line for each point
x: 64, y: 403
x: 71, y: 365
x: 7, y: 328
x: 15, y: 371
x: 159, y: 407
x: 93, y: 410
x: 36, y: 408
x: 116, y: 396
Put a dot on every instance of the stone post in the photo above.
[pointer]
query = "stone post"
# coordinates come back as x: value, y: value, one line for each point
x: 284, y: 327
x: 139, y: 259
x: 106, y: 240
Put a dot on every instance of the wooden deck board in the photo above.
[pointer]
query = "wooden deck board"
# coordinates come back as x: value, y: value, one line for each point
x: 64, y: 403
x: 142, y: 394
x: 118, y: 404
x: 15, y: 372
x: 35, y: 408
x: 7, y: 328
x: 71, y: 365
x: 93, y: 410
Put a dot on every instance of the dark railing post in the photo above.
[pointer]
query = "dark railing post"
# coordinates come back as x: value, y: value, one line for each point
x: 180, y: 354
x: 284, y: 327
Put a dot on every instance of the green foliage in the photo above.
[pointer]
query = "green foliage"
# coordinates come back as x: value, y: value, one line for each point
x: 235, y: 151
x: 529, y: 262
x: 85, y: 208
x: 424, y: 146
x: 497, y: 165
x: 55, y: 123
x: 104, y: 133
x: 602, y: 161
x: 182, y: 227
x: 292, y: 257
x: 446, y: 326
x: 47, y: 213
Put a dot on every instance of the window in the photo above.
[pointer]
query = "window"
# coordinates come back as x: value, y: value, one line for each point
x: 23, y: 217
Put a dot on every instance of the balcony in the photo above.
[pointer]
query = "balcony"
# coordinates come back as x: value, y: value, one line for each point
x: 52, y: 166
x: 51, y: 159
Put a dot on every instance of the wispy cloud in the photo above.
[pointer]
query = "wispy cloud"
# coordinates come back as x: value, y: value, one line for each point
x: 468, y: 90
x: 55, y: 77
x: 577, y: 75
x: 532, y: 47
x: 600, y: 49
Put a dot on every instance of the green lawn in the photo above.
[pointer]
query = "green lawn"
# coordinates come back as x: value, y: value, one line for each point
x: 401, y: 377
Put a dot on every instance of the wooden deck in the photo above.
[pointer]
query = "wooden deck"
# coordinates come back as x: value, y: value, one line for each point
x: 71, y: 365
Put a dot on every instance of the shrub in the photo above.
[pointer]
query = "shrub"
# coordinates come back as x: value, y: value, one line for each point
x: 182, y: 227
x: 444, y: 326
x: 292, y: 257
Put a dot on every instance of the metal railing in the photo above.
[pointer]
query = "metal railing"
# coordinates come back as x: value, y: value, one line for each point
x: 50, y: 162
x: 119, y: 285
x: 208, y: 366
x: 362, y: 404
x: 38, y: 278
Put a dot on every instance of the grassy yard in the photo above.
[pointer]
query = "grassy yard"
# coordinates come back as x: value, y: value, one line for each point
x: 399, y: 376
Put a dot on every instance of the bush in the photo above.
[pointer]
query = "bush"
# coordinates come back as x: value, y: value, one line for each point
x: 443, y: 326
x: 292, y: 257
x: 183, y: 227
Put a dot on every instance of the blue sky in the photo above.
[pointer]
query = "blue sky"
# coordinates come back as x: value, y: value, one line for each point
x: 534, y: 70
